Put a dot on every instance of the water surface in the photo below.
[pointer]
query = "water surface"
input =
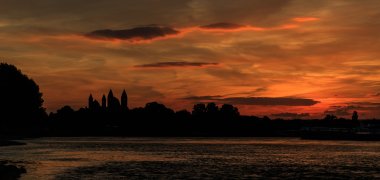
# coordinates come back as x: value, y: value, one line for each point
x: 194, y: 158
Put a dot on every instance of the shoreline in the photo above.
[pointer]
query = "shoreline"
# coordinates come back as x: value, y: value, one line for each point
x: 4, y: 142
x: 9, y: 169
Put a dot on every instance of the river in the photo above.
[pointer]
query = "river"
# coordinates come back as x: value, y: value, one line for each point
x: 194, y: 158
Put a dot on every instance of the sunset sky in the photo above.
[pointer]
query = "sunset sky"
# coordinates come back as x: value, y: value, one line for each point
x: 282, y: 58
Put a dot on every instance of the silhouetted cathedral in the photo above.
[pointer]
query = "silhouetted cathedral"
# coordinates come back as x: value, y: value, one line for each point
x: 110, y: 103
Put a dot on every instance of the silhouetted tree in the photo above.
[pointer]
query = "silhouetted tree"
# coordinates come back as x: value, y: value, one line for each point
x: 355, y: 116
x: 183, y: 115
x: 330, y: 117
x: 228, y: 111
x: 157, y: 109
x: 212, y: 108
x: 65, y: 110
x: 199, y: 109
x: 20, y: 101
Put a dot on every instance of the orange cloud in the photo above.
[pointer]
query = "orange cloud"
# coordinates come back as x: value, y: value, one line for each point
x: 305, y: 19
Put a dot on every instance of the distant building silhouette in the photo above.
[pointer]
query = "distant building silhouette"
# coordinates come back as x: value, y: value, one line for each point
x: 96, y: 105
x: 90, y: 102
x: 109, y: 98
x: 111, y: 103
x: 104, y: 102
x: 124, y: 100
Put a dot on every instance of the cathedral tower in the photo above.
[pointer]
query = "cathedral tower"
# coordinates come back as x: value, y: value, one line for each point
x: 124, y: 100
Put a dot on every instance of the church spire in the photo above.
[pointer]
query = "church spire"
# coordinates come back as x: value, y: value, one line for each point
x: 104, y: 101
x: 110, y: 98
x: 90, y: 102
x: 124, y: 100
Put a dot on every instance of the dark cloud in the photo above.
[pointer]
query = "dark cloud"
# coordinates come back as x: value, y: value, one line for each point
x: 291, y: 115
x: 261, y: 89
x: 270, y: 101
x: 222, y: 25
x: 174, y: 64
x: 263, y: 101
x: 144, y: 33
x: 202, y: 98
x: 367, y: 104
x: 233, y: 74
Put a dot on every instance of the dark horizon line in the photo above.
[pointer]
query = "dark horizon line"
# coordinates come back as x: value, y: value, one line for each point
x: 286, y: 115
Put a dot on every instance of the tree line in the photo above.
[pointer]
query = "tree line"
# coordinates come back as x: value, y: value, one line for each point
x: 21, y: 113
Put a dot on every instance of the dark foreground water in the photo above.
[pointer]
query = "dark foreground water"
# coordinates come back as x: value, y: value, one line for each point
x: 194, y: 158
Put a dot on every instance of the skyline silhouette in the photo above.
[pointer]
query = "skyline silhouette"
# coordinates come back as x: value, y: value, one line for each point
x: 22, y: 114
x: 205, y: 119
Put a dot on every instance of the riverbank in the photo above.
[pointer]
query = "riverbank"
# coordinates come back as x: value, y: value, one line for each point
x: 8, y: 171
x: 10, y: 143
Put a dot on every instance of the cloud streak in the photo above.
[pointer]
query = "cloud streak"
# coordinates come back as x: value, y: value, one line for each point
x: 305, y: 19
x: 202, y: 98
x: 175, y: 64
x: 222, y: 25
x: 270, y: 101
x: 260, y: 101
